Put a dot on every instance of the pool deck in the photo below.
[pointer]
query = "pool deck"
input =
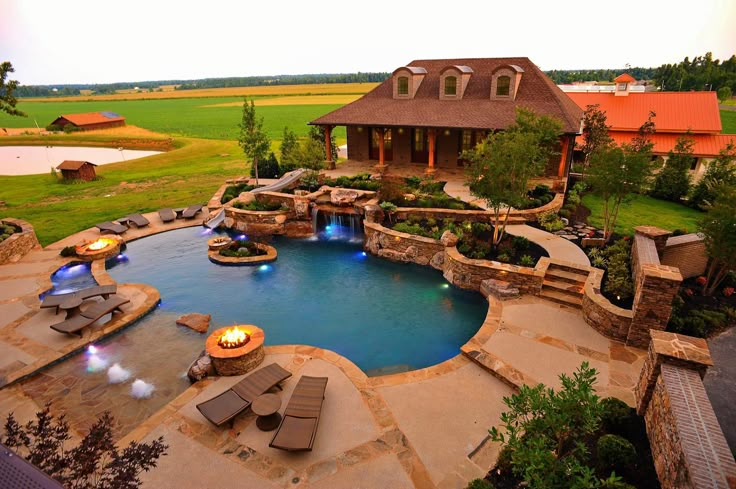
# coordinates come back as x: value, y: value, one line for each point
x: 421, y: 429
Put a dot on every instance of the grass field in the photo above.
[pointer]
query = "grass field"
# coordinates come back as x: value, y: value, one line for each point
x: 643, y: 210
x: 211, y: 118
x: 728, y: 120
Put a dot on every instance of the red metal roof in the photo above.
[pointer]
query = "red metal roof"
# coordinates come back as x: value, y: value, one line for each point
x: 73, y: 165
x: 476, y: 109
x: 624, y: 78
x: 676, y: 111
x: 706, y: 145
x: 91, y: 118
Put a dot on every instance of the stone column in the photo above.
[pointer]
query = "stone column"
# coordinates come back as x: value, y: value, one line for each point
x: 659, y: 236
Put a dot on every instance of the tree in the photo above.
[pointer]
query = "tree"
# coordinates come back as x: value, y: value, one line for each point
x: 253, y: 138
x: 311, y: 154
x: 289, y: 148
x: 719, y: 230
x: 618, y: 171
x: 7, y: 99
x: 95, y: 463
x: 673, y: 181
x: 545, y: 430
x: 502, y: 164
x: 595, y: 133
x: 267, y: 167
x: 721, y: 171
x: 318, y: 134
x: 724, y: 93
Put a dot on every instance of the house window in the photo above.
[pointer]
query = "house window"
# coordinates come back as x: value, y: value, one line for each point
x: 503, y: 86
x: 403, y: 85
x: 418, y: 139
x: 621, y: 87
x: 693, y: 164
x: 451, y: 85
x: 467, y: 140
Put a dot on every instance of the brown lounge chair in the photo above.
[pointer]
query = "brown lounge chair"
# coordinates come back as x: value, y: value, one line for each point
x: 226, y: 406
x: 100, y: 290
x: 191, y: 211
x: 136, y: 219
x: 298, y: 427
x: 76, y: 324
x: 111, y: 227
x: 167, y: 214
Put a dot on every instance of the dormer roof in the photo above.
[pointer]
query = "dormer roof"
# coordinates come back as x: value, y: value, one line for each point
x: 461, y: 68
x: 414, y: 70
x: 624, y: 78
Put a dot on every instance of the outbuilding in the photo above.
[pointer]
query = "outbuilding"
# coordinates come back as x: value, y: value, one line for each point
x: 77, y: 170
x: 90, y: 120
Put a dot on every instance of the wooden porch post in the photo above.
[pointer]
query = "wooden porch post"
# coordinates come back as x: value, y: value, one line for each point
x: 328, y: 147
x: 563, y: 156
x: 381, y: 146
x: 432, y: 133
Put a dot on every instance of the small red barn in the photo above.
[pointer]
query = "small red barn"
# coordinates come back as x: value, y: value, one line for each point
x: 90, y: 120
x: 77, y: 170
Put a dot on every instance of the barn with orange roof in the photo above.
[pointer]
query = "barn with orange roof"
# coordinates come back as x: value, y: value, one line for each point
x: 677, y: 113
x: 90, y: 120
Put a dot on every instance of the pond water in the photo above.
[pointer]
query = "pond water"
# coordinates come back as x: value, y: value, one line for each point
x: 32, y: 160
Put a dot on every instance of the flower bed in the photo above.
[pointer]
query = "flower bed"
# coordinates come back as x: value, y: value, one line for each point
x: 243, y: 252
x: 694, y: 314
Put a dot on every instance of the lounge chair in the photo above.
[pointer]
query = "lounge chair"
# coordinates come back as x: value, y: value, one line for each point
x: 136, y: 219
x: 76, y: 324
x: 167, y: 214
x: 100, y: 290
x: 111, y: 227
x: 227, y: 405
x: 301, y: 418
x: 191, y: 211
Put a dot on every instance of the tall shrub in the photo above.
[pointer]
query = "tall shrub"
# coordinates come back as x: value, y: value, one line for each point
x: 673, y: 181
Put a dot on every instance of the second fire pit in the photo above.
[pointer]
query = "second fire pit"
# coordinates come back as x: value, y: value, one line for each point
x: 236, y: 350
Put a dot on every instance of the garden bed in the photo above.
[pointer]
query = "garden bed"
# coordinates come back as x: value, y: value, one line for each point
x: 615, y: 259
x: 242, y: 252
x: 233, y: 191
x: 416, y: 192
x: 694, y: 314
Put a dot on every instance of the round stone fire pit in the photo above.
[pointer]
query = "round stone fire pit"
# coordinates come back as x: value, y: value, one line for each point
x: 242, y: 358
x: 100, y: 249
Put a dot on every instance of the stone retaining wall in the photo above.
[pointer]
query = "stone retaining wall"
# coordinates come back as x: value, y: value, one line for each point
x: 688, y: 446
x: 609, y: 320
x: 467, y: 273
x: 552, y: 206
x: 257, y: 223
x: 403, y: 213
x: 687, y: 253
x: 387, y: 243
x: 19, y: 243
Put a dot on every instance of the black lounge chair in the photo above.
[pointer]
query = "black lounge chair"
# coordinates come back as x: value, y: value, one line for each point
x: 100, y: 290
x: 167, y: 214
x: 227, y: 405
x: 298, y: 427
x: 76, y: 324
x: 136, y: 219
x: 111, y: 227
x: 191, y: 211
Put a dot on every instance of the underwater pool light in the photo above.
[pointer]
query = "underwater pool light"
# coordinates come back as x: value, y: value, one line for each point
x: 264, y: 268
x: 445, y: 286
x: 242, y: 237
x: 91, y: 349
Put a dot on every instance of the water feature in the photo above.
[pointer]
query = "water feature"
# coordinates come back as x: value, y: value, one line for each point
x: 71, y: 277
x: 331, y: 223
x: 31, y: 160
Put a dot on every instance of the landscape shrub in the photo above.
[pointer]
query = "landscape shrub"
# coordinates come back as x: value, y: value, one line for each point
x: 615, y: 452
x: 413, y: 182
x: 6, y: 230
x: 614, y: 413
x: 258, y: 206
x: 618, y: 281
x: 564, y: 213
x: 70, y: 128
x: 479, y: 484
x: 267, y: 168
x: 310, y: 180
x: 526, y: 261
x: 68, y: 251
x: 519, y: 243
x: 234, y: 190
x: 405, y: 227
x: 551, y: 222
x: 54, y: 128
x: 241, y: 249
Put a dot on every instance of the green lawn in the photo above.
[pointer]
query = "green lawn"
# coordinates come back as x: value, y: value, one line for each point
x: 187, y: 117
x: 643, y: 210
x: 728, y: 120
x: 190, y: 173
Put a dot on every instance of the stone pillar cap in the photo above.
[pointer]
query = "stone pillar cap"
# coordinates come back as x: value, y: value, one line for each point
x: 682, y: 347
x: 652, y: 231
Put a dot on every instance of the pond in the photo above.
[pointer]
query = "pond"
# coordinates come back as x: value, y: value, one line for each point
x: 32, y: 160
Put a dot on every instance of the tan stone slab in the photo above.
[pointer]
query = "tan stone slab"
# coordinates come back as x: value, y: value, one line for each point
x: 548, y: 319
x: 12, y: 354
x: 37, y: 329
x: 18, y: 287
x: 380, y: 473
x: 191, y: 465
x: 543, y: 362
x: 345, y: 423
x: 445, y: 418
x: 26, y: 267
x: 11, y: 311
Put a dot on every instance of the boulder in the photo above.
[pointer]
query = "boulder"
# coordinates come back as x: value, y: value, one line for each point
x: 448, y: 239
x: 343, y: 196
x: 198, y: 322
x: 410, y: 197
x: 202, y: 367
x: 498, y: 288
x: 373, y: 213
x: 438, y: 260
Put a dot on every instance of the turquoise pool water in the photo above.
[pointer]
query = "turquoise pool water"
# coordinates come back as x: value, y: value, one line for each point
x: 381, y: 315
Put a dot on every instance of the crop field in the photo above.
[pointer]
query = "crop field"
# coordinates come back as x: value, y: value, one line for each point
x: 209, y: 118
x: 728, y: 120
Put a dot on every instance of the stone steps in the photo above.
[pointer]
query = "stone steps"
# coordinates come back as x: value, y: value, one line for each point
x: 560, y: 275
x: 564, y: 284
x: 562, y: 298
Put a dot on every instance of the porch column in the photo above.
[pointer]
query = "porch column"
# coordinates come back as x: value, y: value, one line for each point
x: 432, y: 135
x: 381, y: 146
x: 328, y: 147
x: 563, y: 156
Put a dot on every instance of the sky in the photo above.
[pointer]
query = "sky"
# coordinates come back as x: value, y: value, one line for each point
x: 98, y: 41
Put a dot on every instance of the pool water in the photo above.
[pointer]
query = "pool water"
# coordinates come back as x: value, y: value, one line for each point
x: 382, y: 315
x: 71, y: 277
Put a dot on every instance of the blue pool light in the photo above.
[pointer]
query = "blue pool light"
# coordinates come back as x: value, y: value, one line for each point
x: 242, y: 237
x: 91, y: 349
x: 364, y: 253
x: 361, y: 255
x: 122, y: 257
x: 264, y: 268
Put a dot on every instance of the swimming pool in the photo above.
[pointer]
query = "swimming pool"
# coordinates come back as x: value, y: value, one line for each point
x: 383, y: 316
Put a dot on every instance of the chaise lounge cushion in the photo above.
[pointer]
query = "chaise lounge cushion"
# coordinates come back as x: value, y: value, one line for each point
x: 111, y: 227
x: 167, y: 214
x: 298, y: 427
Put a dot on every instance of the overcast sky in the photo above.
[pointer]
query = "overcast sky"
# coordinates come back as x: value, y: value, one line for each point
x: 99, y: 41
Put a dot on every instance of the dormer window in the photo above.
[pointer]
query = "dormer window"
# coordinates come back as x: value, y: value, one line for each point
x: 622, y: 86
x: 503, y: 86
x: 403, y: 85
x: 451, y: 86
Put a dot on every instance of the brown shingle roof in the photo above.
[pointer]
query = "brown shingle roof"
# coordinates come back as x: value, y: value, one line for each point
x: 475, y: 110
x: 73, y: 165
x: 91, y: 118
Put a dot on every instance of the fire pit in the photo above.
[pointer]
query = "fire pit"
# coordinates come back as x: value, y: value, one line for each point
x: 236, y: 350
x: 100, y: 249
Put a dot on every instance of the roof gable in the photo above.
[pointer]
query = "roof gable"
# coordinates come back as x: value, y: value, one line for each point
x: 73, y: 165
x: 475, y: 110
x: 88, y: 118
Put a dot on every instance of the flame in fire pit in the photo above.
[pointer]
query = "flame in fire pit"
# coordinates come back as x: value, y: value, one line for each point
x: 233, y: 338
x: 100, y: 244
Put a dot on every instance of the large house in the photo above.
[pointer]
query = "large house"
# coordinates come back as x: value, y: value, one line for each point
x: 429, y: 111
x: 676, y: 114
x: 90, y: 120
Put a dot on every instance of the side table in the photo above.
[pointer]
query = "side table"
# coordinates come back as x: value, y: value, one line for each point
x: 267, y: 408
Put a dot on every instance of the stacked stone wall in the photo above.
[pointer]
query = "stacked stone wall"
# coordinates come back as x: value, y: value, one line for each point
x: 609, y: 320
x: 387, y: 243
x: 687, y: 253
x: 467, y: 273
x: 19, y: 243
